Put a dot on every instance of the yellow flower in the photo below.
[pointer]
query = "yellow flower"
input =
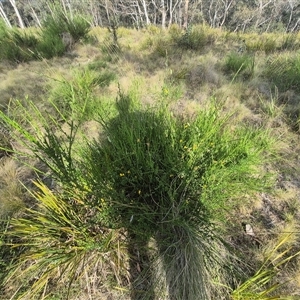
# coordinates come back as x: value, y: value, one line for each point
x: 122, y: 174
x: 139, y: 192
x: 128, y: 172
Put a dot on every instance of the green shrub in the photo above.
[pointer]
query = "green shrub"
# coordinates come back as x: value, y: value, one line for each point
x: 78, y: 26
x: 19, y: 46
x: 171, y: 179
x: 175, y: 32
x: 50, y: 45
x: 194, y: 38
x: 60, y: 32
x: 16, y: 45
x: 152, y: 174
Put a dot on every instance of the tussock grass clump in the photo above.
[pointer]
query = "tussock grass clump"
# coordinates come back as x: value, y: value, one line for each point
x: 239, y: 65
x: 97, y: 65
x: 194, y: 38
x: 290, y: 41
x: 263, y: 284
x: 266, y: 42
x: 283, y: 71
x: 206, y: 71
x: 62, y: 245
x: 76, y: 98
x: 159, y: 45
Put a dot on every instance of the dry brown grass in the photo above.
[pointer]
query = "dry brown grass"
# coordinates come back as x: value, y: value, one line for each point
x: 11, y: 189
x: 21, y: 81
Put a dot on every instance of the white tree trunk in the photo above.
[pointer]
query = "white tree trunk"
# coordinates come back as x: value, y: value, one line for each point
x: 186, y: 14
x: 146, y: 12
x: 21, y: 23
x: 4, y: 16
x: 36, y: 17
x: 227, y: 4
x: 163, y: 14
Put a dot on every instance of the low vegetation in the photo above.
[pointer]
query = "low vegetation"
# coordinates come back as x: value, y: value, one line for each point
x: 154, y: 164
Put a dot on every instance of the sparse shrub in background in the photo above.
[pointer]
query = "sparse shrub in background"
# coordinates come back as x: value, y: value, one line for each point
x: 160, y: 45
x: 153, y: 30
x: 110, y: 46
x: 58, y: 35
x: 60, y: 32
x: 194, y: 38
x: 283, y: 71
x: 17, y: 45
x: 289, y: 42
x: 175, y: 32
x: 97, y: 65
x: 269, y: 46
x: 265, y: 42
x: 239, y: 65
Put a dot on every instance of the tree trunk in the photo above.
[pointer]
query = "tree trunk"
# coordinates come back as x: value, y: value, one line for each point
x: 21, y: 23
x: 107, y: 11
x: 163, y: 14
x: 4, y: 16
x: 186, y: 14
x: 146, y: 12
x: 178, y: 18
x: 36, y: 17
x: 139, y: 14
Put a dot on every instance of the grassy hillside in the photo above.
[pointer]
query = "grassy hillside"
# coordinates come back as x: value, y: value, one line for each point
x: 158, y: 165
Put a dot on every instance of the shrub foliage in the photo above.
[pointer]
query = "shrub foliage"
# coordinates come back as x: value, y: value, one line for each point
x: 150, y: 174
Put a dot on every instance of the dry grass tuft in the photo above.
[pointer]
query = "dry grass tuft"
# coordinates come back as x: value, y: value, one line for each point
x: 11, y: 189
